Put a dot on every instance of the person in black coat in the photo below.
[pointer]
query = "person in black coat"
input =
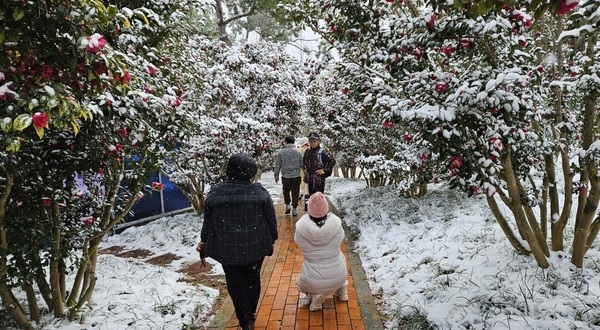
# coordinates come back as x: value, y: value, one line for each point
x: 317, y: 164
x: 239, y: 230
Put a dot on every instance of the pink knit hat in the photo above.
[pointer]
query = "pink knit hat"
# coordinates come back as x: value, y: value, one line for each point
x: 317, y: 205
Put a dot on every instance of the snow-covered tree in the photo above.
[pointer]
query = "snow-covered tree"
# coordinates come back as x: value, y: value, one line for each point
x: 494, y: 96
x: 238, y: 98
x: 80, y: 135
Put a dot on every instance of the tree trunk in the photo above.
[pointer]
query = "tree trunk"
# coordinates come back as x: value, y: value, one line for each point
x: 34, y: 311
x: 517, y: 210
x: 593, y: 232
x: 57, y: 298
x: 512, y: 238
x: 221, y: 25
x: 544, y: 208
x: 586, y: 210
x: 10, y: 304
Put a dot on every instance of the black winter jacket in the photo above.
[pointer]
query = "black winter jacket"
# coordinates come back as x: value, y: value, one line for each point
x: 239, y: 225
x: 318, y: 158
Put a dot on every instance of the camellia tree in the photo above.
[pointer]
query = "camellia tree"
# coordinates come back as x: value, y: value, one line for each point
x: 335, y: 103
x: 497, y: 97
x: 80, y: 135
x: 239, y: 98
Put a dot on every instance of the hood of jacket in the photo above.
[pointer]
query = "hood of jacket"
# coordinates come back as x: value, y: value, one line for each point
x: 318, y: 236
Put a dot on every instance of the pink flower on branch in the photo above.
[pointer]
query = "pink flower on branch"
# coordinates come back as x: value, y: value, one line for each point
x: 566, y: 6
x: 94, y: 43
x: 465, y: 42
x: 124, y: 78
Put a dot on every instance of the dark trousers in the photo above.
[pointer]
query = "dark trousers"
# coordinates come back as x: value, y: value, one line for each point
x: 243, y: 285
x: 291, y: 190
x: 316, y: 183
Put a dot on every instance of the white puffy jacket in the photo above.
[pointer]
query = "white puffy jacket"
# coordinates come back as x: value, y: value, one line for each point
x: 324, y: 267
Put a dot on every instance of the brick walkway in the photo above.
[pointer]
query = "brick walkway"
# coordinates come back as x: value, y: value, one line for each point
x: 283, y: 307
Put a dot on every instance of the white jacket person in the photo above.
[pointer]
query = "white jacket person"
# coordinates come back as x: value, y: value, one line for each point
x: 319, y: 235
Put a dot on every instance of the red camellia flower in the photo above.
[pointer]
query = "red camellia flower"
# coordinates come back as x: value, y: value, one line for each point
x: 158, y: 185
x: 176, y: 102
x: 122, y: 131
x: 441, y: 87
x: 353, y: 33
x: 465, y: 42
x: 447, y: 50
x: 124, y: 78
x: 40, y: 119
x: 88, y: 221
x: 456, y: 162
x: 46, y: 71
x: 431, y: 23
x: 46, y: 201
x: 566, y: 6
x: 388, y: 124
x: 151, y: 70
x: 496, y: 143
x: 94, y: 43
x: 406, y: 136
x: 417, y: 53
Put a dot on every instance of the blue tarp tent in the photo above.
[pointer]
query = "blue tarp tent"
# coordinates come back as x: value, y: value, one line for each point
x: 169, y: 200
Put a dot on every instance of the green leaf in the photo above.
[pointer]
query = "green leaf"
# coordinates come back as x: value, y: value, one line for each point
x: 14, y: 145
x: 18, y: 14
x: 112, y: 11
x: 75, y: 126
x: 144, y: 18
x: 21, y: 122
x: 39, y: 131
x: 53, y: 102
x: 5, y: 124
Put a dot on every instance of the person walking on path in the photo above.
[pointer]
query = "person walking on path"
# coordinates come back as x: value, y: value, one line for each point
x: 239, y: 231
x: 303, y: 146
x: 318, y: 164
x: 288, y: 162
x: 319, y: 234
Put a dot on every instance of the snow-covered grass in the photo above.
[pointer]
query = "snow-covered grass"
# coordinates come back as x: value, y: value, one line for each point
x: 445, y: 258
x: 441, y: 258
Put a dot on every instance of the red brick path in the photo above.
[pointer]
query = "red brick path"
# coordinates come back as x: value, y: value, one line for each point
x: 282, y: 306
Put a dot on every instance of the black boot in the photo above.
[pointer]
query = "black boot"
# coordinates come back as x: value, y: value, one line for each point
x: 248, y: 325
x: 306, y: 198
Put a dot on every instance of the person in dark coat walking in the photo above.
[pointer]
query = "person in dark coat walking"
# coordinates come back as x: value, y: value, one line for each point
x: 239, y: 230
x: 317, y: 164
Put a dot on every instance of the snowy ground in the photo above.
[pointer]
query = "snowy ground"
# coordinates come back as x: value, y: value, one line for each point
x: 442, y: 256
